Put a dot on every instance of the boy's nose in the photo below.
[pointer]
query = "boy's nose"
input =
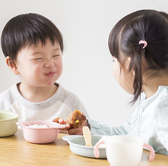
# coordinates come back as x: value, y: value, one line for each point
x: 49, y: 63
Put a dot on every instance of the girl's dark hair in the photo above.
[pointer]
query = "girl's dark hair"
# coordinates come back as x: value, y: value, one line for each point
x: 148, y: 25
x: 28, y: 29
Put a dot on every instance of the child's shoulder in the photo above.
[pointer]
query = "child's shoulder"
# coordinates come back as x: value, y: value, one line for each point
x: 66, y: 93
x: 8, y: 91
x: 162, y: 94
x: 7, y: 97
x: 161, y: 105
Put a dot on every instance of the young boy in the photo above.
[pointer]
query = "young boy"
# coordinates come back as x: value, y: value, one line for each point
x: 33, y: 48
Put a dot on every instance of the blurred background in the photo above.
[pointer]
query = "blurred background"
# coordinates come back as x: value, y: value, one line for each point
x: 85, y: 26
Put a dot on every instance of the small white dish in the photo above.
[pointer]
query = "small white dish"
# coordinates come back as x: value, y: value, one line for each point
x: 77, y: 146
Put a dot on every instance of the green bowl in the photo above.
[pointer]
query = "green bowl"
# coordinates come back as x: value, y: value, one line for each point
x: 8, y: 125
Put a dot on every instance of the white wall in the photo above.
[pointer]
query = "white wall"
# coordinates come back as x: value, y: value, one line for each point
x: 85, y: 25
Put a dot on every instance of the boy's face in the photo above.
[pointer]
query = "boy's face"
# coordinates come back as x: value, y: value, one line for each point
x: 40, y: 65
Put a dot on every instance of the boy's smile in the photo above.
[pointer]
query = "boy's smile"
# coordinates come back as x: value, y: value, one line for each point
x: 50, y: 74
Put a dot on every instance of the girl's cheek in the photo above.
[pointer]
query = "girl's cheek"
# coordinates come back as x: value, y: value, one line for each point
x: 116, y: 72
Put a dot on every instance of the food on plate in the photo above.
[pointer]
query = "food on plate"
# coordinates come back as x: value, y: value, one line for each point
x: 75, y: 119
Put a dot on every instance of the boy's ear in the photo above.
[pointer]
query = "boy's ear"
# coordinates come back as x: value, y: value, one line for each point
x: 12, y: 65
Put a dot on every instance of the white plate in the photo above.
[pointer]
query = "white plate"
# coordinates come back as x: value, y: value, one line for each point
x: 77, y: 146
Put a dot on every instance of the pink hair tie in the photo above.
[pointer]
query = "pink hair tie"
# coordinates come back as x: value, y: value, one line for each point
x: 144, y: 43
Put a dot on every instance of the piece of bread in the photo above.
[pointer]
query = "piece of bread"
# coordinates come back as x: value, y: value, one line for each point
x: 75, y: 119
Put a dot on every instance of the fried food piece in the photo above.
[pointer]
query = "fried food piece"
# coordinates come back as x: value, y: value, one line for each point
x: 57, y: 120
x: 75, y: 119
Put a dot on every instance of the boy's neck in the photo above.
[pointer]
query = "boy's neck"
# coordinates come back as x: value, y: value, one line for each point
x: 36, y: 94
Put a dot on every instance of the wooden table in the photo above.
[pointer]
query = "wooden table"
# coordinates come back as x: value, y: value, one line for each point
x: 15, y: 151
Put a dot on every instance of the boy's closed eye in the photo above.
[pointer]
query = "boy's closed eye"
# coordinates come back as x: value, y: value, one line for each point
x: 37, y: 59
x: 56, y: 56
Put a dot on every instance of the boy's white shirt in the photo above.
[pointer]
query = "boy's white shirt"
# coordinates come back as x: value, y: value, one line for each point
x: 149, y: 122
x: 61, y: 104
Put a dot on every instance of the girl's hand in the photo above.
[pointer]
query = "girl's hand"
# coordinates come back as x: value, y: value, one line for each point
x: 77, y: 131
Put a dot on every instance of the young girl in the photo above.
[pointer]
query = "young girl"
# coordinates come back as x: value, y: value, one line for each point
x: 33, y: 48
x: 139, y: 47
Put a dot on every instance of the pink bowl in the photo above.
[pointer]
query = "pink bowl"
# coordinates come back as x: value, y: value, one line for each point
x: 40, y: 135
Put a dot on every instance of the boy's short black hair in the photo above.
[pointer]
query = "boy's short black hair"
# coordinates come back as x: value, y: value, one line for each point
x: 28, y: 29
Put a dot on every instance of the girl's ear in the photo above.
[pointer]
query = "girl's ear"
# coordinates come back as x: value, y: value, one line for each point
x: 12, y: 65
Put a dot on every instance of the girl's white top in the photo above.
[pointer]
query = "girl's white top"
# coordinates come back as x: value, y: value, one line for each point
x: 149, y: 122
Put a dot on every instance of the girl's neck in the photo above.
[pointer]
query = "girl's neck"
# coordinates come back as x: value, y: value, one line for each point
x: 36, y: 94
x: 150, y: 86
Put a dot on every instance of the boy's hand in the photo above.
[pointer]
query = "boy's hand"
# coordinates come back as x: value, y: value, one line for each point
x: 63, y: 122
